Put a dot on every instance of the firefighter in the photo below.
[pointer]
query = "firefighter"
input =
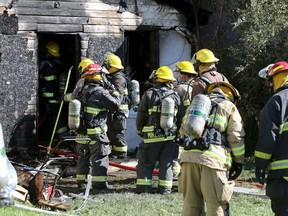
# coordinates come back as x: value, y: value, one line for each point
x: 52, y: 84
x: 263, y: 74
x: 80, y: 83
x: 117, y: 121
x: 96, y: 101
x: 204, y: 63
x: 158, y: 144
x: 271, y: 153
x: 205, y: 161
x: 185, y: 76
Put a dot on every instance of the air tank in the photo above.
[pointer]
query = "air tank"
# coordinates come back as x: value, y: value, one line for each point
x: 74, y: 114
x: 197, y: 115
x: 134, y: 93
x: 167, y: 113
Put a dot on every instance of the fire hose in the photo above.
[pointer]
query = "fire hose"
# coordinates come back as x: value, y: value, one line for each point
x: 132, y: 168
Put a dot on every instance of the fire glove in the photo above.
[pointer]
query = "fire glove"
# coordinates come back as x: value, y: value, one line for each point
x: 235, y: 170
x: 260, y: 175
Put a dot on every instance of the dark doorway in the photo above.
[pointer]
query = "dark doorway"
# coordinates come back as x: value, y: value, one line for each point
x: 141, y: 55
x: 141, y: 58
x: 69, y: 46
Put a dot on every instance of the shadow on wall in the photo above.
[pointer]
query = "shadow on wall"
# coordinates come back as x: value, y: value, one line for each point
x: 23, y: 137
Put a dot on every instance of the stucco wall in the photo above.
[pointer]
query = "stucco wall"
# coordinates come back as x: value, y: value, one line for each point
x: 98, y: 46
x: 18, y: 72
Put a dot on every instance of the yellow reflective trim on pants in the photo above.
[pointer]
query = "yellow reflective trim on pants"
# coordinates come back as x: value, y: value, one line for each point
x: 81, y: 177
x: 99, y: 178
x: 146, y: 182
x: 93, y: 110
x: 165, y: 183
x: 279, y: 164
x: 97, y: 130
x: 262, y: 155
x: 159, y: 139
x: 83, y: 139
x: 120, y: 149
x: 283, y: 127
x: 238, y: 151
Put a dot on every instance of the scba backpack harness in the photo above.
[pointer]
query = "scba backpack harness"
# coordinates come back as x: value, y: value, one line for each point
x: 210, y: 135
x: 164, y: 106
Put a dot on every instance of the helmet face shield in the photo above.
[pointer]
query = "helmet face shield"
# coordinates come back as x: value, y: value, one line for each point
x: 264, y: 71
x: 104, y: 70
x: 193, y: 60
x: 153, y: 75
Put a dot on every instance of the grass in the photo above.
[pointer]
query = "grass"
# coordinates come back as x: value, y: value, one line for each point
x: 123, y: 201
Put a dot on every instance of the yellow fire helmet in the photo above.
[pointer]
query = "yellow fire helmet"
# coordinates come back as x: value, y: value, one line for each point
x: 83, y: 65
x: 163, y: 74
x: 186, y: 67
x: 112, y: 60
x: 53, y: 49
x: 230, y: 91
x: 204, y: 56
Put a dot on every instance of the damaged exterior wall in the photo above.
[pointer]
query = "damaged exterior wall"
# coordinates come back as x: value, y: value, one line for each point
x: 101, y: 26
x: 18, y: 83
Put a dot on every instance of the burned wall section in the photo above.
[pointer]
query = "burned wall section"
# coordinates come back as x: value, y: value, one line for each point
x: 8, y: 24
x: 19, y: 80
x: 98, y: 46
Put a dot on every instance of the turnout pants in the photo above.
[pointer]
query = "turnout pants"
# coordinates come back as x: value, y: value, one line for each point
x: 93, y: 155
x: 198, y: 183
x: 277, y: 190
x: 148, y: 155
x: 117, y: 132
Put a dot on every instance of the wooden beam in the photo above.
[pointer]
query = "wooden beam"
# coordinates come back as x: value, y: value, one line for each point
x: 59, y: 28
x: 53, y: 19
x: 115, y: 22
x: 66, y: 12
x: 101, y: 29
